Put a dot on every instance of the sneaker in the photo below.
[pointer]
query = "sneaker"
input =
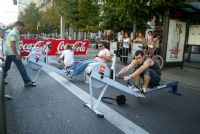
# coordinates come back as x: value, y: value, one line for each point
x: 69, y: 73
x: 144, y: 90
x: 30, y: 83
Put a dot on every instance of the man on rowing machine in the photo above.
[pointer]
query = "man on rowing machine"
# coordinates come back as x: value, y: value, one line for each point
x: 145, y: 68
x: 104, y: 55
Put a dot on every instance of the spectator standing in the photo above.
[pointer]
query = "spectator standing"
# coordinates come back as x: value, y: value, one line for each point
x: 121, y: 36
x: 126, y: 46
x: 12, y: 53
x: 140, y: 39
x: 150, y: 42
x: 139, y: 43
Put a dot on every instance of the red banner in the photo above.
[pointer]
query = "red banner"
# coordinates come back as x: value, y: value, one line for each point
x: 80, y: 47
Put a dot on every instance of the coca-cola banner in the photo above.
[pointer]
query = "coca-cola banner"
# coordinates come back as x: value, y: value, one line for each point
x: 80, y: 47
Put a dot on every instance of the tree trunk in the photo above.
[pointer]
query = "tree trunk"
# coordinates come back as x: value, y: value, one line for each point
x: 134, y: 28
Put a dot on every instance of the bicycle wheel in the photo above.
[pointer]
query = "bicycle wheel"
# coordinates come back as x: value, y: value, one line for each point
x: 159, y: 60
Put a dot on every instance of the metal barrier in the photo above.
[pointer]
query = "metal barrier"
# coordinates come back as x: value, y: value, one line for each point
x: 3, y: 126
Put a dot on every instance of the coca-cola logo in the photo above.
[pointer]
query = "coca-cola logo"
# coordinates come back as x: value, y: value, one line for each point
x: 61, y: 46
x: 26, y: 47
x: 78, y: 46
x: 54, y: 46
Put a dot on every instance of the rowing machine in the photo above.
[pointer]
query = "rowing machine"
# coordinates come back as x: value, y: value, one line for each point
x: 98, y: 76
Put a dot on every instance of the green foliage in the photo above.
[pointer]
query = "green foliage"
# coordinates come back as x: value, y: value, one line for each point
x: 89, y: 15
x: 51, y: 20
x: 82, y: 15
x: 31, y: 16
x: 121, y: 14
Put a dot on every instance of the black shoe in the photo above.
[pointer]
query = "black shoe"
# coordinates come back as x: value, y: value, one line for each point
x: 69, y: 73
x: 30, y: 83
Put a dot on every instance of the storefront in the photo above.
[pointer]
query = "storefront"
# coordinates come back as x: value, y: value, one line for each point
x: 181, y: 35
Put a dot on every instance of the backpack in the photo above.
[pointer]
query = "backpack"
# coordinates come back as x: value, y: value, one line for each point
x: 120, y: 99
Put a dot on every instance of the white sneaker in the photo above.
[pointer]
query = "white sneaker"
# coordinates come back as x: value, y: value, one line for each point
x: 144, y: 90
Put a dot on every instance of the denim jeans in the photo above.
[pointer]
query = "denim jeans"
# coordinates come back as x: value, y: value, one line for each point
x: 80, y: 66
x: 19, y: 64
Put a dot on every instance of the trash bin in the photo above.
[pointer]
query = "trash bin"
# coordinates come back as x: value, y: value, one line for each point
x: 113, y: 47
x: 135, y: 47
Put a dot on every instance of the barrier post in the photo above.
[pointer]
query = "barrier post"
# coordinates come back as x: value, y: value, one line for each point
x: 3, y: 127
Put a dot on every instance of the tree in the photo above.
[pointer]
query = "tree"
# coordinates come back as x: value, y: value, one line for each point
x: 132, y: 14
x: 82, y: 15
x: 51, y: 20
x: 31, y: 16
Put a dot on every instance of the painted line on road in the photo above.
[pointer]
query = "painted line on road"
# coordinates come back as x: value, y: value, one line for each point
x: 111, y: 115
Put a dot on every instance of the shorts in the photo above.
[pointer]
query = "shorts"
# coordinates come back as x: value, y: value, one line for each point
x: 154, y: 77
x: 150, y: 46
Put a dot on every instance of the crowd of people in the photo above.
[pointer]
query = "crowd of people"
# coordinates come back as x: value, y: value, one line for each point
x: 126, y: 42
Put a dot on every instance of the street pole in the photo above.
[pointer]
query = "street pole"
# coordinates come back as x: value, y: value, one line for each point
x: 3, y: 126
x: 62, y: 27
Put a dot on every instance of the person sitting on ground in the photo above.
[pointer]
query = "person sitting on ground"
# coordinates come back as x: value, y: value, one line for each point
x: 68, y: 56
x: 104, y: 55
x: 145, y: 68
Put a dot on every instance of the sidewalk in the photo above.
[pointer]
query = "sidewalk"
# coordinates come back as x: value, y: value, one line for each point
x: 186, y: 76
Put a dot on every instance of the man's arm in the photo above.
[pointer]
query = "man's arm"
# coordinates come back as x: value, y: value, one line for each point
x: 107, y: 57
x: 61, y: 56
x: 145, y: 65
x: 125, y: 69
x: 13, y: 47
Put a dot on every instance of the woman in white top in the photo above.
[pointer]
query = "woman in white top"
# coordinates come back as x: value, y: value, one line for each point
x: 68, y: 56
x: 126, y: 45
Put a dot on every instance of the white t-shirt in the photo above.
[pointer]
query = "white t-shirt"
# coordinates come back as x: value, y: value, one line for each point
x: 126, y: 42
x: 68, y: 57
x: 101, y: 53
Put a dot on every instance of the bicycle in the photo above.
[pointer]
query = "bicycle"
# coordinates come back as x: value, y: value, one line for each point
x: 156, y: 56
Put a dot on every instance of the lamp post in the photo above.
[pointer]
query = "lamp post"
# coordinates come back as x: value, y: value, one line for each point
x: 62, y: 27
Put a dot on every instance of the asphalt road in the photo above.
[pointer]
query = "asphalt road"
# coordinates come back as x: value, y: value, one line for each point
x: 53, y: 107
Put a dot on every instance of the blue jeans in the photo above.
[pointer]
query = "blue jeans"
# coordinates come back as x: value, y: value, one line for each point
x: 19, y: 64
x: 80, y: 66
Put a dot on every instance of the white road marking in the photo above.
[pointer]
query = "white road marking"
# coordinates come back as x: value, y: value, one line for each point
x: 111, y: 115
